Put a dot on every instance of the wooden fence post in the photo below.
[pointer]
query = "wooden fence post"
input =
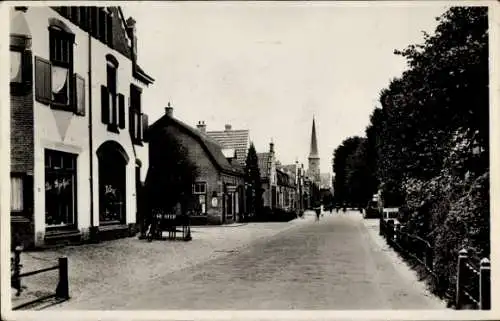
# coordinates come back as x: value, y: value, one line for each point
x: 485, y: 285
x: 390, y: 231
x: 62, y: 290
x: 397, y: 232
x: 459, y: 295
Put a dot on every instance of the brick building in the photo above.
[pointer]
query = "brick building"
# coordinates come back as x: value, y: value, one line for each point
x: 77, y: 149
x: 219, y: 187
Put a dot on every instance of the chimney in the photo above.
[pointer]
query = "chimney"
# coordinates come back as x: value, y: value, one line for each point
x: 169, y: 111
x: 271, y: 147
x: 227, y: 127
x: 202, y: 127
x: 133, y: 36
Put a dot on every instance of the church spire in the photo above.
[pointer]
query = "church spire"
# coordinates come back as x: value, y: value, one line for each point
x: 314, y: 144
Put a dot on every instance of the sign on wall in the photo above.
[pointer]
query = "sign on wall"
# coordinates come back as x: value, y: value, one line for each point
x: 214, y: 201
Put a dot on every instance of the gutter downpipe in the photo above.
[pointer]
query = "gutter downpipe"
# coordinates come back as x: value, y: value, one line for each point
x: 91, y: 153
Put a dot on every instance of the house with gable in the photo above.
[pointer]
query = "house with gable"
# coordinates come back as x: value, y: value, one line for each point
x: 269, y: 180
x: 219, y: 187
x: 78, y: 150
x: 234, y: 142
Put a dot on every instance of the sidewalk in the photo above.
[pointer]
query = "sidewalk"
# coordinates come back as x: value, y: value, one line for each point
x: 379, y: 244
x: 106, y: 268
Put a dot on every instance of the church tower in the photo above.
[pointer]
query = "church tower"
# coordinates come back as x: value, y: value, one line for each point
x: 313, y: 170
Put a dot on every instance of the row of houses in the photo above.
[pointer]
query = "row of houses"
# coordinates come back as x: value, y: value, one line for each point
x: 81, y: 142
x: 220, y: 158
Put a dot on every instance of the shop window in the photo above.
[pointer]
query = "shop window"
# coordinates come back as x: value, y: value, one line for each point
x: 60, y: 189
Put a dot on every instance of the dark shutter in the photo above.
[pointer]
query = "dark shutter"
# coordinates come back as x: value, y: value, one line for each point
x: 102, y: 25
x: 109, y: 30
x: 145, y: 124
x: 121, y: 111
x: 131, y: 122
x: 94, y: 20
x: 27, y: 68
x: 28, y: 194
x: 105, y: 105
x: 43, y: 80
x: 79, y: 95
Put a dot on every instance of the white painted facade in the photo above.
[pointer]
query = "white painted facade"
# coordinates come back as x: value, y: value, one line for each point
x: 68, y: 132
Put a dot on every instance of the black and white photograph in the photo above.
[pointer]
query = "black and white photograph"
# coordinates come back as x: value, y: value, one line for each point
x: 319, y: 159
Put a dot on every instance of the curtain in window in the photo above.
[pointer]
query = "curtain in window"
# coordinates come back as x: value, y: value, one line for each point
x: 16, y: 194
x: 59, y: 78
x: 15, y: 66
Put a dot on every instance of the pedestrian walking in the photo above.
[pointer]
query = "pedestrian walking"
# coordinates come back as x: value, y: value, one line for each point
x: 318, y: 212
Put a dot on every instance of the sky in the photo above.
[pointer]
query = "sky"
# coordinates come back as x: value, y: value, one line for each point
x: 271, y: 67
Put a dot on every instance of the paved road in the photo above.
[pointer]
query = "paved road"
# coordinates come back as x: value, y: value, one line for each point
x: 335, y: 263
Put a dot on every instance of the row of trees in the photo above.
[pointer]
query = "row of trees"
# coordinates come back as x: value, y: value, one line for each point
x: 427, y: 145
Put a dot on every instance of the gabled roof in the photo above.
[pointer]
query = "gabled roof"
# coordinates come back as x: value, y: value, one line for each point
x: 209, y: 145
x: 235, y: 139
x: 264, y: 163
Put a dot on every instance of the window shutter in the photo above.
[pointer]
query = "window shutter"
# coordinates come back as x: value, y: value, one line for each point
x: 79, y: 95
x: 121, y: 111
x: 131, y: 122
x: 105, y: 105
x: 145, y: 125
x: 27, y: 68
x: 94, y: 20
x: 43, y: 80
x: 109, y: 30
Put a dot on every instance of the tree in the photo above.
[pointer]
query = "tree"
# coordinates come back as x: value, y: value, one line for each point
x: 430, y: 138
x: 171, y: 174
x: 252, y: 178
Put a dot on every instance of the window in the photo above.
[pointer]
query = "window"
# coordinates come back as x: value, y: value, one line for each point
x: 55, y: 83
x: 16, y: 194
x: 199, y: 188
x: 20, y: 65
x: 200, y: 192
x: 16, y: 67
x: 138, y: 122
x: 61, y: 58
x: 60, y: 189
x: 113, y: 112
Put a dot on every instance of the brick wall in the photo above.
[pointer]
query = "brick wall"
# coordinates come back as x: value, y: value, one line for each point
x: 21, y: 139
x: 22, y: 161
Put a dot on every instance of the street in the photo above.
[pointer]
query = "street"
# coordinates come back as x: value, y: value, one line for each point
x: 336, y: 263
